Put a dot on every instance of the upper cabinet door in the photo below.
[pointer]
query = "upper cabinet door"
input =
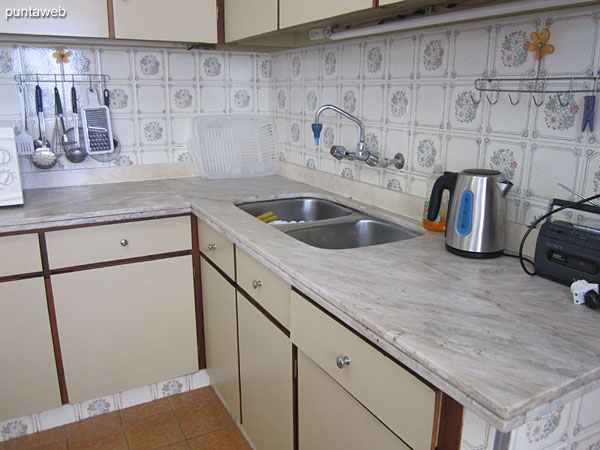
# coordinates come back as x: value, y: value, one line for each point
x: 245, y: 18
x: 294, y: 12
x: 85, y: 18
x: 175, y: 20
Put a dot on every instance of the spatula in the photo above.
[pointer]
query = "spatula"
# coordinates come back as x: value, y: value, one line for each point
x: 23, y: 140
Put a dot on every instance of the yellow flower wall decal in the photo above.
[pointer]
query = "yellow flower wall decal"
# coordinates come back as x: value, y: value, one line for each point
x: 61, y: 56
x: 539, y: 44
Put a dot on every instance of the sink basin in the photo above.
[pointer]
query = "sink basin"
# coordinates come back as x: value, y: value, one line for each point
x: 297, y: 209
x: 327, y: 224
x: 351, y: 234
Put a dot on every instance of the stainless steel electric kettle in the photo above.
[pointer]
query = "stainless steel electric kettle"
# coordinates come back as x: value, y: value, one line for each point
x: 476, y: 221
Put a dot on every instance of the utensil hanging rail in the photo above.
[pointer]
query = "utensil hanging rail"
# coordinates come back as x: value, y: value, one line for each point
x: 527, y: 85
x: 60, y: 78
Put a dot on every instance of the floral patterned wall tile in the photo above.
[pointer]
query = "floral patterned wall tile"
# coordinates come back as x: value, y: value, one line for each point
x: 149, y: 65
x: 330, y: 63
x: 264, y: 68
x: 399, y: 104
x: 426, y: 151
x: 465, y: 110
x: 374, y: 64
x: 182, y: 98
x: 510, y: 55
x: 153, y: 131
x: 507, y: 157
x: 212, y: 67
x: 433, y: 55
x: 312, y: 97
x: 296, y: 66
x: 241, y: 99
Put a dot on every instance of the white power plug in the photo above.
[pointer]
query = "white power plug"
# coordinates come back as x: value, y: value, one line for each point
x: 581, y: 287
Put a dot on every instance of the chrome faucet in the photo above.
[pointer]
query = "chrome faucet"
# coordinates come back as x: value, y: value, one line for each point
x: 361, y: 154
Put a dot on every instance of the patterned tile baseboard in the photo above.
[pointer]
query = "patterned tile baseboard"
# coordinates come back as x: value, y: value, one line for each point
x: 45, y: 420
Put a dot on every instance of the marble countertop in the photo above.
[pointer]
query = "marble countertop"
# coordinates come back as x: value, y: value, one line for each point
x: 508, y: 346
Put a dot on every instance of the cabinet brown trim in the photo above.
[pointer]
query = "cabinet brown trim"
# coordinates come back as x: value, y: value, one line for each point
x: 239, y: 362
x: 375, y: 3
x: 218, y: 269
x: 451, y: 422
x: 265, y: 313
x: 111, y: 19
x: 279, y: 14
x: 21, y: 276
x: 60, y: 371
x: 119, y: 262
x: 93, y: 224
x: 198, y: 295
x: 220, y: 21
x: 296, y: 427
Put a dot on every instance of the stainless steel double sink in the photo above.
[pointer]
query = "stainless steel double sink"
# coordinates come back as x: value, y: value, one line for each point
x: 326, y: 224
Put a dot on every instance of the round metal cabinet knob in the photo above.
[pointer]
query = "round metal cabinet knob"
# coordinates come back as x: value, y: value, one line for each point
x: 342, y: 361
x: 212, y: 246
x: 124, y: 242
x: 256, y: 284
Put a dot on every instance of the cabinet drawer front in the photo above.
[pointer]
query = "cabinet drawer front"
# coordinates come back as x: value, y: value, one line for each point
x: 217, y: 248
x: 330, y: 418
x: 79, y: 246
x: 20, y: 254
x: 399, y: 399
x: 270, y: 291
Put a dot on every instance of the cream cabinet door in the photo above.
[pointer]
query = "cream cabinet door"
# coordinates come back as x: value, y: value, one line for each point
x: 126, y: 326
x: 220, y: 336
x: 246, y: 18
x: 294, y: 12
x: 28, y: 377
x: 266, y: 379
x: 86, y: 18
x: 331, y: 419
x: 175, y: 20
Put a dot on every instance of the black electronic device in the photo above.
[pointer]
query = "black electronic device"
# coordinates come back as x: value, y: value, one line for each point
x: 566, y: 252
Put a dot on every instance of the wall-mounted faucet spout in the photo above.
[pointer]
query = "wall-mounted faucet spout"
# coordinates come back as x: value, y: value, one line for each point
x: 317, y: 127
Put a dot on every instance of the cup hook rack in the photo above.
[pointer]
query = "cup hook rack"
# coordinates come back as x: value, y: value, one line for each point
x: 537, y: 86
x: 54, y: 78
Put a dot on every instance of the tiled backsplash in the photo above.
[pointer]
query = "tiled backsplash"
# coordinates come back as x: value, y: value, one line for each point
x: 413, y: 91
x: 154, y: 94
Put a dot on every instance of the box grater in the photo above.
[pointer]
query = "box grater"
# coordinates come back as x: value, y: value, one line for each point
x: 95, y: 120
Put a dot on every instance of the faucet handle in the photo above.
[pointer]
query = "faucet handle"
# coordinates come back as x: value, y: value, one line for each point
x: 372, y: 159
x: 338, y: 152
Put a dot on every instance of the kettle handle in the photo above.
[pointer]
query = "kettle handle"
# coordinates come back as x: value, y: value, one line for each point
x: 446, y: 181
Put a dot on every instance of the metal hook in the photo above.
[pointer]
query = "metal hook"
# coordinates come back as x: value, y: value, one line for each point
x: 475, y: 102
x: 519, y: 96
x: 543, y: 96
x: 497, y: 96
x: 568, y: 96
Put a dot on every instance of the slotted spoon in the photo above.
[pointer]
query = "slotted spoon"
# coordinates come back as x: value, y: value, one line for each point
x: 23, y: 140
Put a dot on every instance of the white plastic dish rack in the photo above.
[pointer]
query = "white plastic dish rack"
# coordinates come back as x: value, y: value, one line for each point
x: 234, y: 145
